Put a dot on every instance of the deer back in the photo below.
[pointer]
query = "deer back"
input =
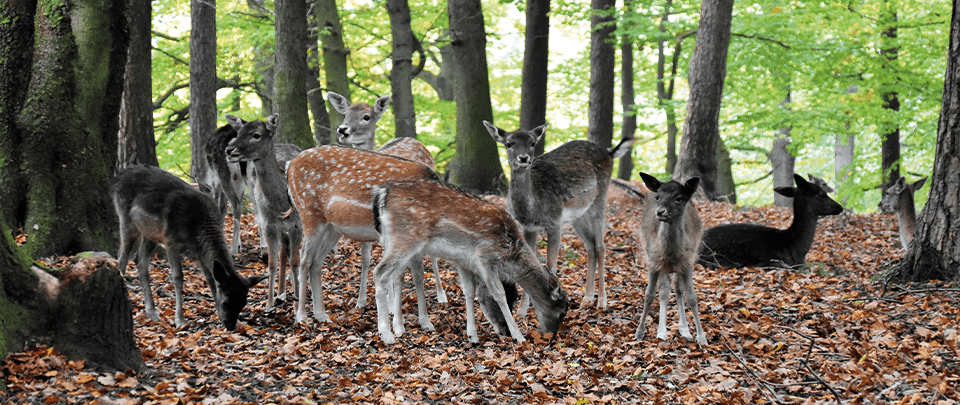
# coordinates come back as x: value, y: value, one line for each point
x: 410, y: 149
x: 359, y: 125
x: 332, y: 184
x: 671, y: 229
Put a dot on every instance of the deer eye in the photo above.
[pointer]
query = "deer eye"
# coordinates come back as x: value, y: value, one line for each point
x: 366, y: 117
x: 508, y: 145
x: 678, y: 200
x: 256, y: 136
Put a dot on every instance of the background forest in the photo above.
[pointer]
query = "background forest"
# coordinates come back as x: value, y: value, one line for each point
x: 821, y: 73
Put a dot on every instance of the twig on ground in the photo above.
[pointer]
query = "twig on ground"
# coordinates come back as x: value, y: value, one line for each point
x: 760, y: 381
x: 890, y: 388
x: 817, y: 376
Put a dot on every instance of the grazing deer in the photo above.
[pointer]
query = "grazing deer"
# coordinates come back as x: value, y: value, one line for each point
x: 416, y: 216
x: 359, y: 131
x: 224, y: 179
x: 899, y: 198
x: 157, y: 207
x: 567, y: 185
x: 330, y: 186
x: 738, y: 245
x: 254, y: 143
x: 669, y: 238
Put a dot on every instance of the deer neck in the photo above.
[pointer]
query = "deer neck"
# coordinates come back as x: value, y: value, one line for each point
x: 521, y: 193
x: 671, y: 236
x: 271, y: 181
x: 907, y: 217
x: 803, y: 228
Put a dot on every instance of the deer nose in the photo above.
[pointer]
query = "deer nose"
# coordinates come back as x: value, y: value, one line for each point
x: 344, y: 130
x: 523, y: 158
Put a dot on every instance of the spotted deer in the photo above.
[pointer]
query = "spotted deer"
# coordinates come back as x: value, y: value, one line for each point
x: 738, y: 245
x: 156, y: 207
x: 254, y: 143
x: 669, y: 238
x: 359, y: 131
x: 567, y: 185
x: 899, y: 199
x: 331, y: 189
x: 416, y: 216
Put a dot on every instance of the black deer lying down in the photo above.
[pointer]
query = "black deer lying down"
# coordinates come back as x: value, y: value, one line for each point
x: 739, y: 245
x: 670, y: 236
x: 157, y: 207
x: 422, y: 215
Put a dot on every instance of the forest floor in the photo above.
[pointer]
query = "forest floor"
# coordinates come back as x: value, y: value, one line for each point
x: 831, y: 333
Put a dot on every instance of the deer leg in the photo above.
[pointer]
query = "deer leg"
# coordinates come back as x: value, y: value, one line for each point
x: 664, y: 288
x: 496, y: 290
x: 385, y: 280
x: 313, y: 253
x: 441, y: 294
x: 586, y: 227
x: 691, y: 298
x: 235, y: 244
x: 680, y: 290
x: 652, y: 281
x: 416, y: 268
x: 284, y: 260
x: 145, y: 252
x: 531, y: 238
x: 176, y: 275
x: 128, y: 238
x: 365, y: 249
x: 272, y: 256
x: 467, y: 284
x: 296, y: 238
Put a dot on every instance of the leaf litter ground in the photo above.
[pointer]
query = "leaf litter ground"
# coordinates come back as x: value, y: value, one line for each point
x: 774, y: 336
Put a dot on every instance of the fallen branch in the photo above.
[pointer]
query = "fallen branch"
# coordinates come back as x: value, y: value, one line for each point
x: 760, y: 381
x: 817, y: 376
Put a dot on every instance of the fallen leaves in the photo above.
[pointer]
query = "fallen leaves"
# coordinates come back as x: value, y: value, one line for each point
x: 774, y: 336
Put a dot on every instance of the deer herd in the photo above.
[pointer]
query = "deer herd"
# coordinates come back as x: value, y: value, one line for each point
x: 306, y: 201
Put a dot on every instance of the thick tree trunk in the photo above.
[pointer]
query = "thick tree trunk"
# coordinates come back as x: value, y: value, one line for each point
x: 16, y: 56
x: 476, y: 165
x: 935, y: 251
x: 291, y: 74
x: 203, y: 80
x: 442, y: 83
x: 401, y: 74
x: 600, y: 126
x: 533, y: 89
x: 726, y: 186
x: 334, y: 56
x: 890, y: 128
x: 627, y: 96
x: 265, y: 67
x: 316, y: 99
x: 782, y: 161
x: 708, y: 67
x: 137, y: 144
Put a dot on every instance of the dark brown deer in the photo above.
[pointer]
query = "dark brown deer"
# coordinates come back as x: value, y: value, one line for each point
x: 418, y: 216
x: 254, y: 143
x: 224, y: 180
x: 669, y: 238
x: 330, y: 186
x: 899, y: 199
x: 567, y: 185
x: 157, y: 207
x: 739, y: 245
x: 359, y: 131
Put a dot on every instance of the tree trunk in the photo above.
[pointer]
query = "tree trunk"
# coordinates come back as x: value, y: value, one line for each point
x: 442, y: 83
x: 627, y: 96
x: 401, y: 74
x: 600, y: 126
x: 316, y: 99
x: 476, y: 165
x: 137, y: 144
x: 264, y: 63
x: 533, y: 89
x: 708, y: 67
x: 890, y: 128
x: 290, y: 74
x: 664, y: 94
x: 935, y: 251
x: 61, y: 170
x: 782, y: 161
x: 203, y: 80
x: 726, y: 186
x: 334, y: 57
x: 844, y: 149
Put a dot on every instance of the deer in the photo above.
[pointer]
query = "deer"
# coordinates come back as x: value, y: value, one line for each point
x: 416, y: 216
x: 566, y: 185
x: 255, y: 144
x: 358, y: 130
x: 898, y: 198
x: 330, y: 186
x: 739, y: 245
x: 156, y: 207
x: 670, y: 238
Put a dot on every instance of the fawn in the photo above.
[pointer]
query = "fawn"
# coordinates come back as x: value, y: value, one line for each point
x: 416, y: 216
x: 157, y: 207
x: 737, y: 245
x: 669, y: 238
x: 254, y: 143
x: 567, y: 185
x: 899, y: 198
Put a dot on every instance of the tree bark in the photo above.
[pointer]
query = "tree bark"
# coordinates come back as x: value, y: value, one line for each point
x: 290, y: 74
x: 935, y: 251
x: 533, y: 89
x: 665, y: 94
x: 401, y: 73
x: 476, y: 165
x: 726, y: 186
x: 708, y: 67
x: 441, y: 83
x: 203, y: 80
x: 782, y: 161
x: 627, y: 97
x: 334, y: 57
x: 600, y: 111
x: 316, y: 99
x: 16, y: 57
x: 137, y: 143
x: 890, y: 136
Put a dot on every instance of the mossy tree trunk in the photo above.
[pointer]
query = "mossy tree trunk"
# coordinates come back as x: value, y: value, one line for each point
x: 290, y: 78
x: 59, y: 122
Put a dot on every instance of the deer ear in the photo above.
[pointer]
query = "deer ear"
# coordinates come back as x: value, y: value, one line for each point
x: 786, y: 191
x: 254, y: 280
x: 801, y: 182
x: 556, y: 293
x: 340, y: 103
x: 651, y: 182
x: 918, y: 184
x: 381, y: 105
x: 692, y: 184
x: 498, y: 134
x: 539, y: 131
x: 220, y: 273
x: 235, y: 122
x: 273, y: 121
